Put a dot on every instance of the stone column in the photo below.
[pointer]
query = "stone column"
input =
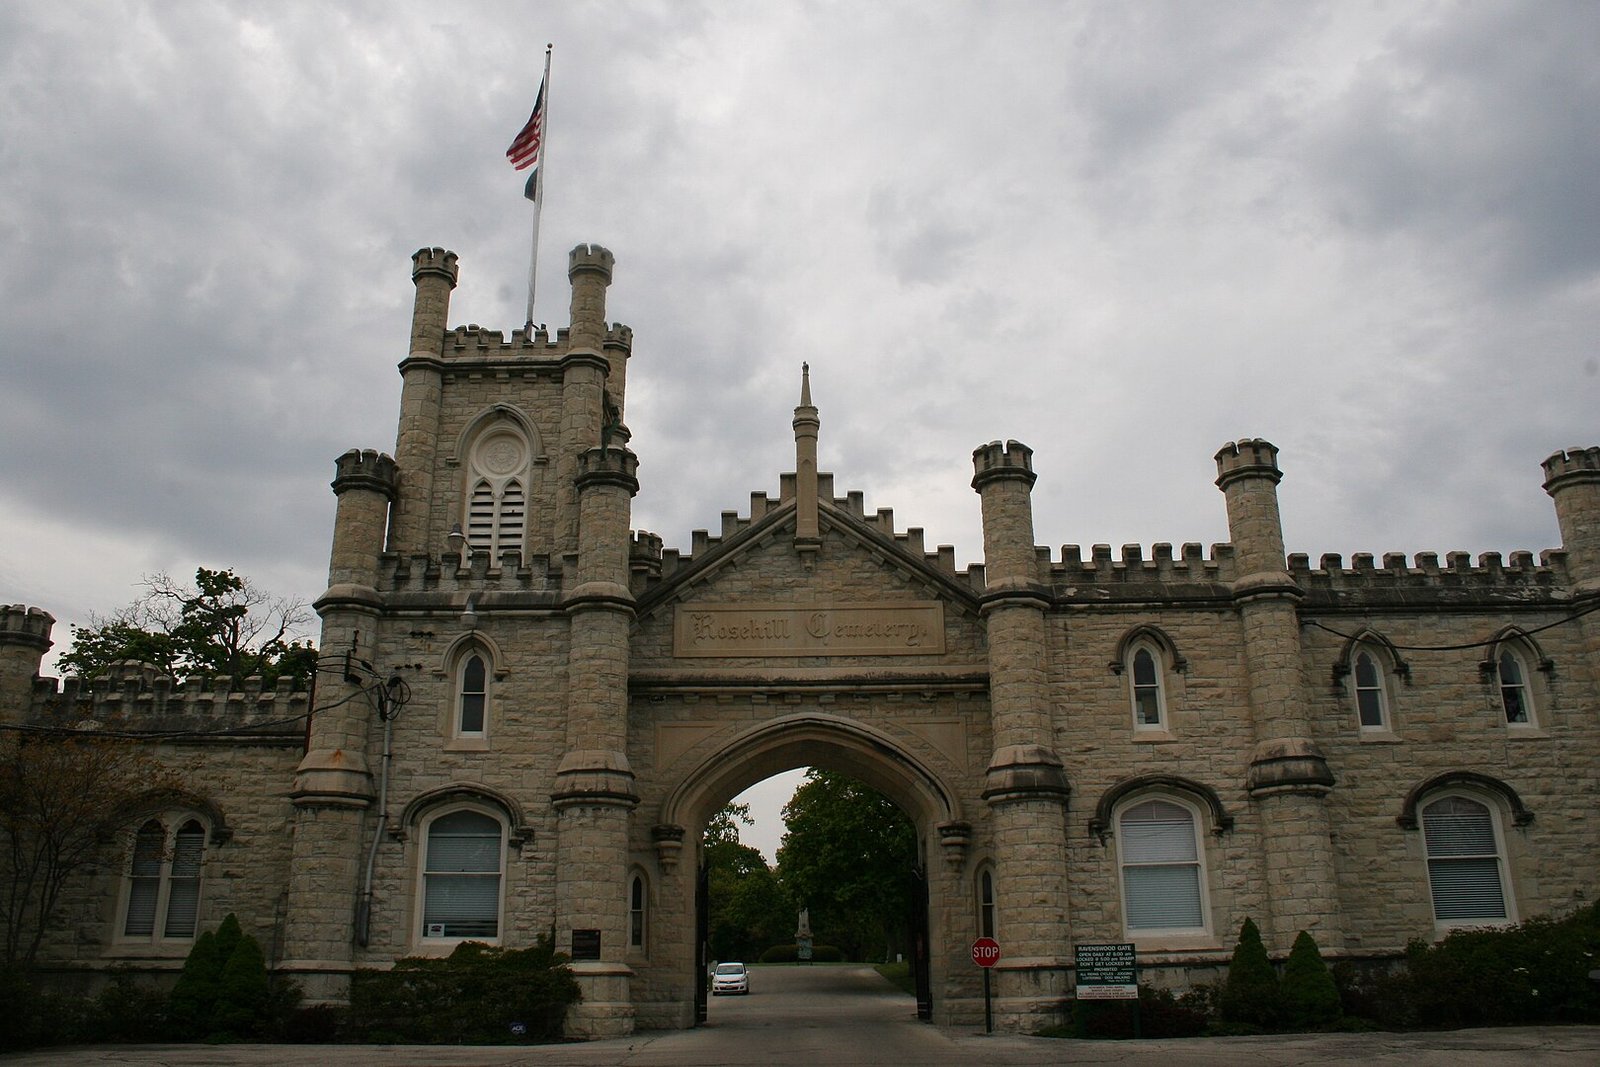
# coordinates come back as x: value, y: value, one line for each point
x: 594, y: 790
x: 1025, y: 786
x: 1288, y: 777
x: 434, y: 272
x: 332, y: 786
x: 24, y: 639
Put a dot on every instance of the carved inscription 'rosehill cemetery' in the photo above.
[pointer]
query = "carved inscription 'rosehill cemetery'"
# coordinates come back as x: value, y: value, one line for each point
x: 914, y: 628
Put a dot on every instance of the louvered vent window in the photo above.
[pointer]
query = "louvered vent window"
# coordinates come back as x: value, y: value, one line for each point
x: 508, y: 536
x: 497, y: 504
x: 144, y: 880
x: 183, y: 896
x: 1160, y: 867
x: 1464, y: 864
x: 481, y: 519
x: 461, y: 877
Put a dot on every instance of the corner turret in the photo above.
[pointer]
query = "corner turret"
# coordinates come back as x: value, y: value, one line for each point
x: 1003, y: 478
x: 24, y: 639
x: 1248, y: 475
x: 434, y: 272
x: 1572, y: 478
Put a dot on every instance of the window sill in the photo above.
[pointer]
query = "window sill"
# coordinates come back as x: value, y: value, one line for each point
x: 467, y: 744
x: 148, y: 950
x: 1153, y: 737
x: 1525, y: 732
x: 437, y: 948
x: 1175, y: 943
x: 1370, y: 735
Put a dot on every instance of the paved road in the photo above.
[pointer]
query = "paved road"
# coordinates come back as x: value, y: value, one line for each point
x: 848, y: 1016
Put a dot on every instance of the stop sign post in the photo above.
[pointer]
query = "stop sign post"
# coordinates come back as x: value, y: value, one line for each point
x: 986, y: 953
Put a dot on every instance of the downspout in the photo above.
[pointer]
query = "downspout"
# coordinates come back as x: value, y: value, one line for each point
x: 387, y: 710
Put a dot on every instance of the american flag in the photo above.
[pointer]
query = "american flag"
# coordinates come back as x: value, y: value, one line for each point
x: 524, y: 150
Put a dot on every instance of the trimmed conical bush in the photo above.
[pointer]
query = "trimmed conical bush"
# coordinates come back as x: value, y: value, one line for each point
x: 1310, y: 999
x: 1251, y: 996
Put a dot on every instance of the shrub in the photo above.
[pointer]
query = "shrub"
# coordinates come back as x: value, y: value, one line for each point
x: 473, y: 996
x: 243, y: 994
x: 1161, y: 1014
x: 318, y: 1024
x: 1532, y: 973
x: 1379, y: 994
x: 1310, y: 999
x: 194, y: 997
x: 1251, y: 997
x: 125, y: 1010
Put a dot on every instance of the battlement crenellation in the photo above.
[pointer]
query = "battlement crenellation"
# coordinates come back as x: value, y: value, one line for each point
x: 137, y: 698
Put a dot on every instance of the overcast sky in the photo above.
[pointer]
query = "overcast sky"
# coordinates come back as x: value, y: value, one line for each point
x: 1122, y: 233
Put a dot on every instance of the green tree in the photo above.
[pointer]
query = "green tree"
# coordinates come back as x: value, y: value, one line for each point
x: 848, y: 857
x: 62, y: 797
x: 221, y: 625
x: 1251, y: 996
x: 749, y: 910
x: 1310, y: 998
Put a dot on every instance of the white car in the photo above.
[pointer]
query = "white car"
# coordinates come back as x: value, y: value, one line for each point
x: 730, y: 978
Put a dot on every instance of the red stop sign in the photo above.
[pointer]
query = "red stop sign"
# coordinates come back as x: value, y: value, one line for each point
x: 986, y: 952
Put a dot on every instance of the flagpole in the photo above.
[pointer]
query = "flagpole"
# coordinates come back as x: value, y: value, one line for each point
x: 538, y: 190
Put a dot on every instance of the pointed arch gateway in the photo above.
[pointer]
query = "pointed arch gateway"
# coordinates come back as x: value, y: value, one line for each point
x: 834, y: 743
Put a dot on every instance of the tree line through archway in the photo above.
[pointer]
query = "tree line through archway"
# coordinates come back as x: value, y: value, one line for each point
x: 847, y: 856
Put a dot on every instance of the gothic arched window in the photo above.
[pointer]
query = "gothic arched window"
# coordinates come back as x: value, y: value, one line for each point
x: 1163, y: 883
x: 162, y: 898
x: 472, y: 697
x: 462, y: 862
x: 1516, y: 689
x: 1371, y: 690
x: 496, y: 490
x: 1466, y: 862
x: 1144, y: 686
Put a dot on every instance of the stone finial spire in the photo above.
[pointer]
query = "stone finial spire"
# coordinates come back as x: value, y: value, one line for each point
x: 807, y: 536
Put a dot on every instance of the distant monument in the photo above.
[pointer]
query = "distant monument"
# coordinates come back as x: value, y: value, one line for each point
x: 802, y: 936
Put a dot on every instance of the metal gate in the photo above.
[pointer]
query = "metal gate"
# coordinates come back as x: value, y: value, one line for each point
x: 702, y: 942
x: 921, y: 959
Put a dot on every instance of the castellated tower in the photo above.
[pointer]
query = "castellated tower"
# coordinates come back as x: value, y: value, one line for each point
x: 490, y: 555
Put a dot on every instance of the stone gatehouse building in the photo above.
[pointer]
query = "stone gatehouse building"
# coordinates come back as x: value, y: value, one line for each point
x: 533, y: 710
